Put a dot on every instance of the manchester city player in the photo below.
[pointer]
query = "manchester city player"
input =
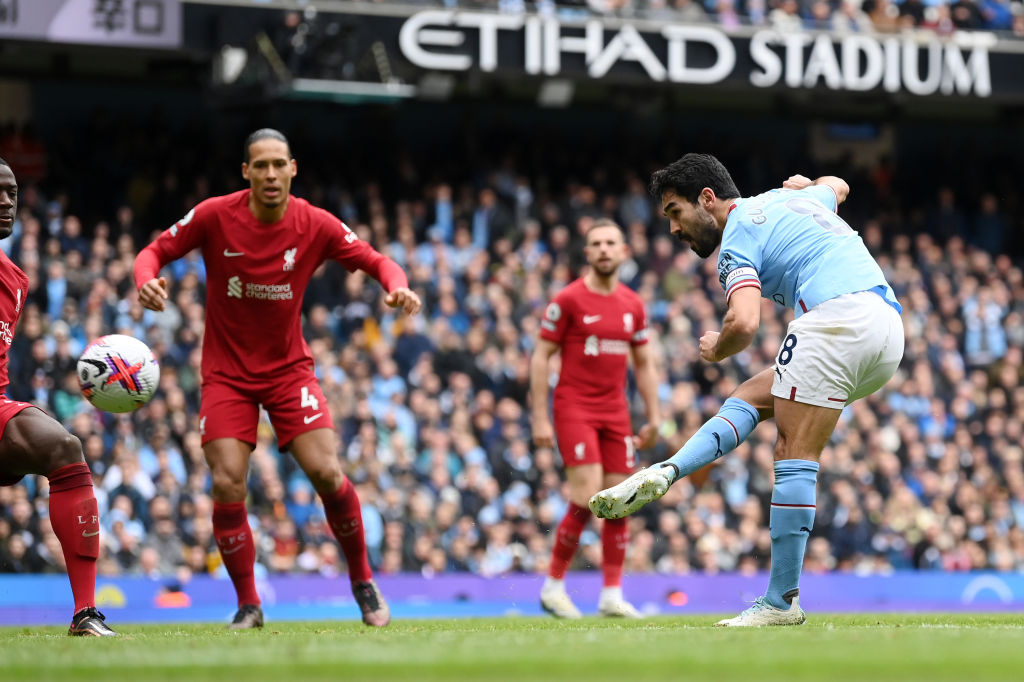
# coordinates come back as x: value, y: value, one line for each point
x: 845, y: 342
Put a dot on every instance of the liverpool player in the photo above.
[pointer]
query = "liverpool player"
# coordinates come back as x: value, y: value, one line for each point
x: 33, y: 443
x: 261, y: 246
x: 597, y: 323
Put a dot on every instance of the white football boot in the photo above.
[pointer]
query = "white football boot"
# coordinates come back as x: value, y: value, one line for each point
x: 555, y: 600
x: 642, y: 487
x: 614, y: 605
x: 762, y: 613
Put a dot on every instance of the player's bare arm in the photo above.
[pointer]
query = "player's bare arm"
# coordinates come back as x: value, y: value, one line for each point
x: 153, y: 293
x: 543, y: 431
x: 647, y: 384
x: 838, y: 185
x: 404, y: 298
x: 738, y: 328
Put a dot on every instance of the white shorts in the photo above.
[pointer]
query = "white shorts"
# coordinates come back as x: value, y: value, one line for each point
x: 840, y: 350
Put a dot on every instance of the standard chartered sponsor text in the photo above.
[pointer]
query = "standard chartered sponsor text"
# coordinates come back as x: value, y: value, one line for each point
x: 269, y: 292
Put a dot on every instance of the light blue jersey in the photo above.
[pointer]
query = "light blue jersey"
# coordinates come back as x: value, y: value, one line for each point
x: 793, y: 246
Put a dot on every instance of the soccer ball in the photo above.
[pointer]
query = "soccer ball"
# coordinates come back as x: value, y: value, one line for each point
x: 118, y: 373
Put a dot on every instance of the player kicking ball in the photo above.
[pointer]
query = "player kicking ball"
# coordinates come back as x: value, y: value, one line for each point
x: 790, y: 246
x: 597, y: 323
x: 261, y: 246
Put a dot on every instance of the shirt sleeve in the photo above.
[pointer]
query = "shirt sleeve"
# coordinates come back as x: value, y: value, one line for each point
x: 740, y: 259
x: 183, y: 236
x: 640, y: 335
x: 825, y: 194
x: 344, y: 246
x: 555, y: 322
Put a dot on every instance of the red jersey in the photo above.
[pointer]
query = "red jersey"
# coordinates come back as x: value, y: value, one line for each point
x: 596, y: 333
x: 256, y: 274
x: 13, y: 287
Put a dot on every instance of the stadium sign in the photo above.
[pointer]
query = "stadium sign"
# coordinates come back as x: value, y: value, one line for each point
x: 127, y: 23
x: 446, y: 40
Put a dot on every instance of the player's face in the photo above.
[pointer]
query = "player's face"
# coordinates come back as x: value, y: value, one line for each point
x: 691, y: 224
x: 8, y: 201
x: 270, y: 171
x: 605, y: 250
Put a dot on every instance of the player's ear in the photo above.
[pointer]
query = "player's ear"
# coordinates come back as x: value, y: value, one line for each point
x: 245, y: 170
x: 295, y: 168
x: 707, y: 198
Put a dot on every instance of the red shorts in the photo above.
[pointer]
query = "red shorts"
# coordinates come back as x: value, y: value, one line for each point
x: 8, y: 409
x: 605, y: 439
x: 295, y: 403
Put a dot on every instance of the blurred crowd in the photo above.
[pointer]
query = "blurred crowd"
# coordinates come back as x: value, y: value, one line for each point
x: 843, y: 16
x: 883, y: 16
x: 430, y: 411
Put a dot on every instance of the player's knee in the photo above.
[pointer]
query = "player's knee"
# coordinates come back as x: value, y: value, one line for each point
x: 326, y: 478
x: 62, y: 449
x: 791, y: 450
x: 784, y: 448
x: 228, y: 486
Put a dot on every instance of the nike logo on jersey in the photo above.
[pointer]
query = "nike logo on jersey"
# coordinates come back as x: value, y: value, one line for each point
x: 591, y: 319
x: 87, y: 534
x: 310, y: 420
x: 232, y: 254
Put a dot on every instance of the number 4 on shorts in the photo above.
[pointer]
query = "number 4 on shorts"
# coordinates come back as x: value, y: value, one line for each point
x: 309, y: 400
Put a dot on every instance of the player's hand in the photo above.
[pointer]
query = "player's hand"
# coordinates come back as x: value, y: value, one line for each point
x: 153, y: 293
x: 797, y: 182
x: 404, y: 298
x: 709, y: 346
x: 543, y: 433
x: 647, y: 437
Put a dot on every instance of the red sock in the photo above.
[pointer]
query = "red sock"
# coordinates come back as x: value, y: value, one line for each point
x: 614, y: 538
x: 567, y: 539
x: 75, y: 521
x: 346, y: 520
x: 237, y: 549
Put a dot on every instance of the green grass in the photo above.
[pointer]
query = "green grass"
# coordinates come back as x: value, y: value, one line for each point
x: 961, y: 648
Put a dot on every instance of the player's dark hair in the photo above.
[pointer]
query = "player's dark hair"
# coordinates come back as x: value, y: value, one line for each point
x: 264, y: 134
x: 604, y: 222
x: 692, y: 173
x: 4, y: 163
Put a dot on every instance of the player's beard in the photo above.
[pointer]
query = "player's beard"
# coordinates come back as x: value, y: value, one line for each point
x: 706, y: 235
x: 606, y: 270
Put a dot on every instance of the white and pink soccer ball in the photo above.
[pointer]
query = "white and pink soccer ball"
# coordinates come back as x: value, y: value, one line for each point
x: 118, y: 373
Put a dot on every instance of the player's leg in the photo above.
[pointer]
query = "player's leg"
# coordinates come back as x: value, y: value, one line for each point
x: 228, y: 459
x: 579, y: 445
x: 33, y: 443
x: 618, y: 461
x: 837, y: 352
x: 228, y: 418
x: 804, y: 431
x: 303, y: 425
x: 749, y: 404
x: 315, y: 451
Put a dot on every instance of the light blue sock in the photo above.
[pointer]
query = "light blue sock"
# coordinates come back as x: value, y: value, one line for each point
x: 720, y: 434
x: 790, y: 520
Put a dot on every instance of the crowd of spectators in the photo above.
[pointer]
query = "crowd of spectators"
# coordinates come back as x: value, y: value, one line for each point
x: 927, y: 474
x: 883, y: 16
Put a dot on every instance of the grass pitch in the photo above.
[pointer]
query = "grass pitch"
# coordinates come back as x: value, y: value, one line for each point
x: 961, y: 648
